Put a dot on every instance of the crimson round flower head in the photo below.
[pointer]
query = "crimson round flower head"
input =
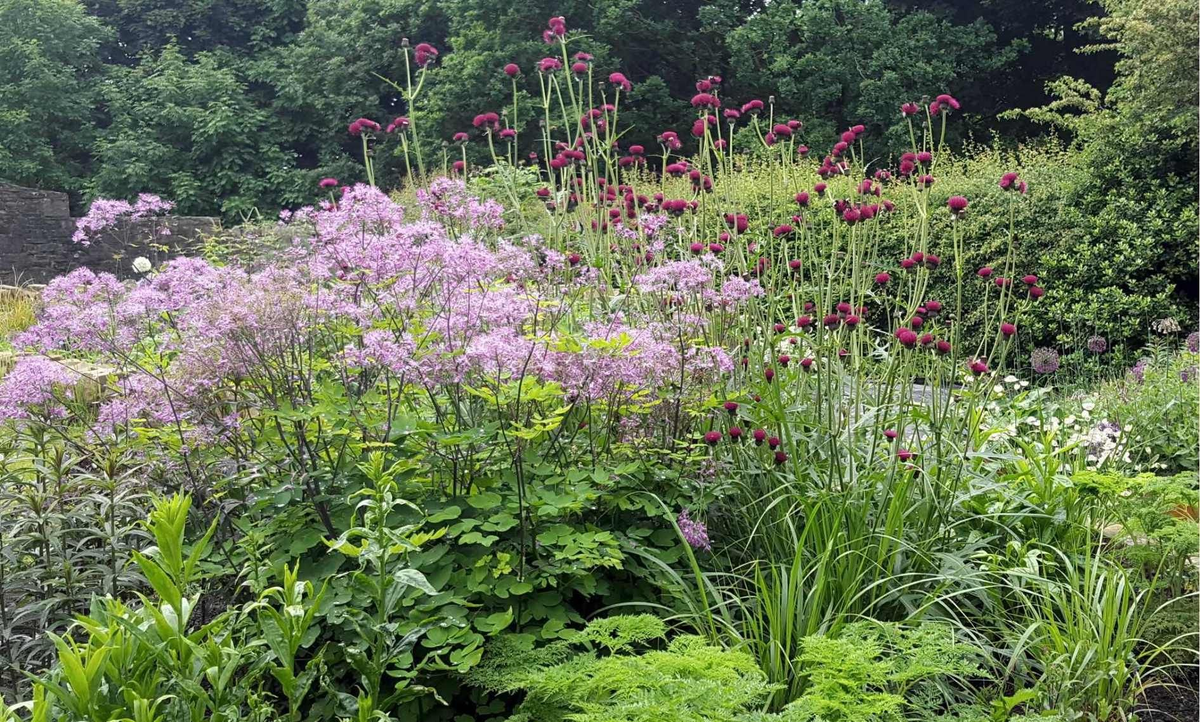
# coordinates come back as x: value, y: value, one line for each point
x: 794, y: 125
x: 549, y: 65
x: 732, y: 114
x: 735, y: 433
x: 619, y: 80
x: 978, y: 366
x: 926, y: 339
x: 908, y: 109
x: 1036, y: 292
x: 1002, y: 282
x: 882, y: 278
x: 819, y: 189
x: 784, y: 359
x: 512, y: 70
x: 908, y: 264
x: 1008, y: 181
x: 782, y: 130
x: 852, y: 320
x: 943, y: 347
x: 769, y: 374
x: 579, y: 67
x: 753, y: 106
x: 574, y: 259
x: 806, y: 363
x: 916, y: 322
x: 424, y: 54
x: 933, y: 307
x: 957, y: 205
x: 760, y: 435
x: 459, y: 166
x: 705, y: 100
x: 461, y: 137
x: 890, y: 433
x: 731, y: 407
x: 832, y: 320
x: 399, y: 124
x: 1030, y: 280
x: 803, y: 322
x: 557, y: 26
x: 1008, y: 330
x: 712, y: 438
x: 328, y: 183
x: 947, y: 102
x: 508, y: 134
x: 783, y: 230
x: 907, y: 337
x: 795, y: 264
x: 985, y: 272
x: 773, y: 442
x: 696, y: 248
x: 361, y: 125
x: 779, y: 328
x: 932, y: 261
x: 781, y: 457
x: 716, y: 248
x: 905, y: 455
x: 802, y: 198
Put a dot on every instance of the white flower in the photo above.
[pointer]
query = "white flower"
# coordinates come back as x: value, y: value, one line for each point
x: 141, y: 264
x: 1010, y: 379
x: 1089, y: 405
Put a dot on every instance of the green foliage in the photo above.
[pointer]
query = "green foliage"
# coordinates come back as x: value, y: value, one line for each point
x: 797, y: 53
x: 49, y: 65
x: 689, y: 679
x: 880, y: 672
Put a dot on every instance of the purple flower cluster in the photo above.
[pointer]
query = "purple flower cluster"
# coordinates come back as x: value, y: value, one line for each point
x: 695, y: 533
x: 105, y: 213
x: 36, y: 386
x: 1044, y: 360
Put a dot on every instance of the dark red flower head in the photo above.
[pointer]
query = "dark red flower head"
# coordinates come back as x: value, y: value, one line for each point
x: 957, y: 205
x: 424, y: 54
x: 712, y: 438
x: 1008, y: 330
x: 512, y: 70
x: 328, y: 183
x: 908, y: 109
x: 619, y: 80
x: 753, y: 106
x: 363, y: 124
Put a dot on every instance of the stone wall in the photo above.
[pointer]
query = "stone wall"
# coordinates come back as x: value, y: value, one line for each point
x: 36, y: 245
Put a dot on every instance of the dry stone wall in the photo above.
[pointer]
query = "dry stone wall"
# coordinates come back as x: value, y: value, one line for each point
x: 36, y: 245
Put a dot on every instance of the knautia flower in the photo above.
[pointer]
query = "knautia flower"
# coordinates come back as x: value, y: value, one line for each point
x: 1044, y: 360
x: 1097, y: 344
x: 695, y: 533
x: 619, y: 80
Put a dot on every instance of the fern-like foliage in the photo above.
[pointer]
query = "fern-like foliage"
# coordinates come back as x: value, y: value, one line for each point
x: 602, y: 680
x: 877, y: 672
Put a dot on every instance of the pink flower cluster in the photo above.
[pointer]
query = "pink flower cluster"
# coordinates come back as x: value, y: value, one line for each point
x: 105, y: 213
